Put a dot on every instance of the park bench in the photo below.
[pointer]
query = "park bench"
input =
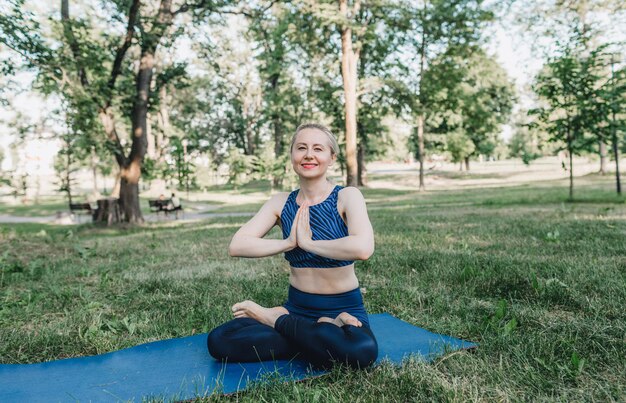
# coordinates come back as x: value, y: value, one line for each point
x: 158, y: 205
x: 162, y: 206
x: 176, y: 210
x: 81, y: 209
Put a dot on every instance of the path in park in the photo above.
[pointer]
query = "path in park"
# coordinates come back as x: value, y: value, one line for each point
x: 151, y: 217
x: 396, y: 176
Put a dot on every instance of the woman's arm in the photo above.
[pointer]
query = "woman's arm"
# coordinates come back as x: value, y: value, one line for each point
x: 358, y: 245
x: 248, y: 240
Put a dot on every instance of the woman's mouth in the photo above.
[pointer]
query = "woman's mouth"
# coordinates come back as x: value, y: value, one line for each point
x: 308, y: 166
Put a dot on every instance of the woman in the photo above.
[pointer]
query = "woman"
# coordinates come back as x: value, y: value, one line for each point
x: 325, y: 228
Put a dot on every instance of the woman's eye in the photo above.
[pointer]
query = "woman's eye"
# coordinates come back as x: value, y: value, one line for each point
x: 318, y: 149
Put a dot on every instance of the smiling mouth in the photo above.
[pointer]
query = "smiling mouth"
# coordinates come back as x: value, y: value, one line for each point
x: 308, y: 166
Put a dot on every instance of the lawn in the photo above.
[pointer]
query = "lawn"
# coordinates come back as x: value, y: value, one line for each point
x: 537, y: 281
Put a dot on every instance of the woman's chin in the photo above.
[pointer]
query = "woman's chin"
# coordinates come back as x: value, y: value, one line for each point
x: 311, y: 174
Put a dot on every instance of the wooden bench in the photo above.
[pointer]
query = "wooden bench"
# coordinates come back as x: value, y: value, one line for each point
x: 157, y: 205
x: 175, y: 210
x: 162, y: 206
x: 81, y: 209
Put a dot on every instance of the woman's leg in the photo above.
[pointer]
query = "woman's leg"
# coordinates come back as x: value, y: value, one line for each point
x: 248, y: 340
x: 323, y: 343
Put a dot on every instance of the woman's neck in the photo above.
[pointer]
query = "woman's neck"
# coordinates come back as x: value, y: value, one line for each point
x: 314, y: 192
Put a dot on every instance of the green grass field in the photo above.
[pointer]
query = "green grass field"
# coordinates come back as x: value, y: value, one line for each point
x: 539, y: 282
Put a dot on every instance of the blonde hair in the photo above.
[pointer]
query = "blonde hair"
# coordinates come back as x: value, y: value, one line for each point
x: 334, y: 146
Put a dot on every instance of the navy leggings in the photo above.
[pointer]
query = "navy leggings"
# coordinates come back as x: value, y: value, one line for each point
x: 299, y: 334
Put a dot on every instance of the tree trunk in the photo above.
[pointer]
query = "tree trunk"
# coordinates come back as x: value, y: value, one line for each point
x: 349, y: 73
x: 362, y: 171
x: 616, y: 156
x: 94, y: 170
x: 421, y: 118
x: 108, y: 211
x: 467, y: 164
x: 279, y: 148
x: 151, y: 151
x: 420, y: 149
x: 115, y: 192
x: 131, y: 170
x: 250, y: 146
x: 129, y: 193
x: 603, y: 158
x: 67, y: 174
x: 570, y: 150
x: 163, y: 119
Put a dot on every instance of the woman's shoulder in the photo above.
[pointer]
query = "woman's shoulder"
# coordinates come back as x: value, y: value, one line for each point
x: 279, y: 198
x: 348, y: 195
x: 349, y: 192
x: 276, y: 203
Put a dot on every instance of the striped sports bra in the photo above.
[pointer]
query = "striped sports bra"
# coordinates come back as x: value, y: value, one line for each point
x: 326, y: 224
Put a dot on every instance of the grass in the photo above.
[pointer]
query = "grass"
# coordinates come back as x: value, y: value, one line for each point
x: 45, y: 207
x: 537, y: 281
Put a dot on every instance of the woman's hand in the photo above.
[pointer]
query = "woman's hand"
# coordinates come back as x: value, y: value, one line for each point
x: 303, y: 232
x: 292, y: 241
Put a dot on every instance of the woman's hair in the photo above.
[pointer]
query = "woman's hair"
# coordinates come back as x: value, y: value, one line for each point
x: 334, y: 147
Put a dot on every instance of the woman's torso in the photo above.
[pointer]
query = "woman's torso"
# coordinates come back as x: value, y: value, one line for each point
x: 323, y: 280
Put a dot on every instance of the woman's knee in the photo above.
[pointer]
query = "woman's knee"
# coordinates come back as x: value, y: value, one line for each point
x: 219, y: 339
x: 363, y: 354
x: 357, y: 347
x: 216, y: 342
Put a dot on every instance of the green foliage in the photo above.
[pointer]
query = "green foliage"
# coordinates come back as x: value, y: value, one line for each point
x: 239, y: 166
x: 65, y: 166
x: 531, y: 139
x: 267, y: 167
x: 563, y: 87
x: 459, y: 146
x: 468, y: 93
x: 181, y: 167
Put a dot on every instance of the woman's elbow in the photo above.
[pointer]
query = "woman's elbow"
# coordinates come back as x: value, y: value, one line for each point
x: 233, y: 249
x: 366, y: 252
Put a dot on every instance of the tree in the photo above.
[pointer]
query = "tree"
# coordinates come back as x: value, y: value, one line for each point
x: 549, y: 23
x: 65, y: 166
x: 437, y: 25
x: 269, y: 29
x: 617, y: 104
x: 529, y: 140
x: 563, y: 86
x: 349, y: 61
x: 487, y: 96
x: 468, y: 93
x: 96, y: 70
x: 605, y: 103
x: 460, y: 147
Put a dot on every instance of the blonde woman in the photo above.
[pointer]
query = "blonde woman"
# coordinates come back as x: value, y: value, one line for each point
x: 325, y: 229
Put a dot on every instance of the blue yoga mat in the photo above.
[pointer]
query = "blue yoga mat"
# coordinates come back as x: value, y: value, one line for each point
x: 180, y: 369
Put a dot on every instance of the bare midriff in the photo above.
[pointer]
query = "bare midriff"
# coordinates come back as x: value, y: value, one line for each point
x: 316, y: 280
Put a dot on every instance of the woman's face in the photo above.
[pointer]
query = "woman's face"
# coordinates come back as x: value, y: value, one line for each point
x: 311, y: 153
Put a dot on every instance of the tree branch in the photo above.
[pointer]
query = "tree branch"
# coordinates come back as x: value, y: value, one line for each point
x: 250, y: 14
x: 71, y: 39
x: 121, y: 51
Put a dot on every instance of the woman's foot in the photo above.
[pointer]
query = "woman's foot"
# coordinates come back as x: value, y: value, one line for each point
x: 250, y: 309
x: 344, y: 318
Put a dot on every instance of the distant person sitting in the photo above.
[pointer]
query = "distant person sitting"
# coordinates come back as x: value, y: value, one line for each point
x: 174, y: 204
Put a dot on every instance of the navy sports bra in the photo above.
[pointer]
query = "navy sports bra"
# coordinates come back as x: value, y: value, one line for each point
x: 326, y: 224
